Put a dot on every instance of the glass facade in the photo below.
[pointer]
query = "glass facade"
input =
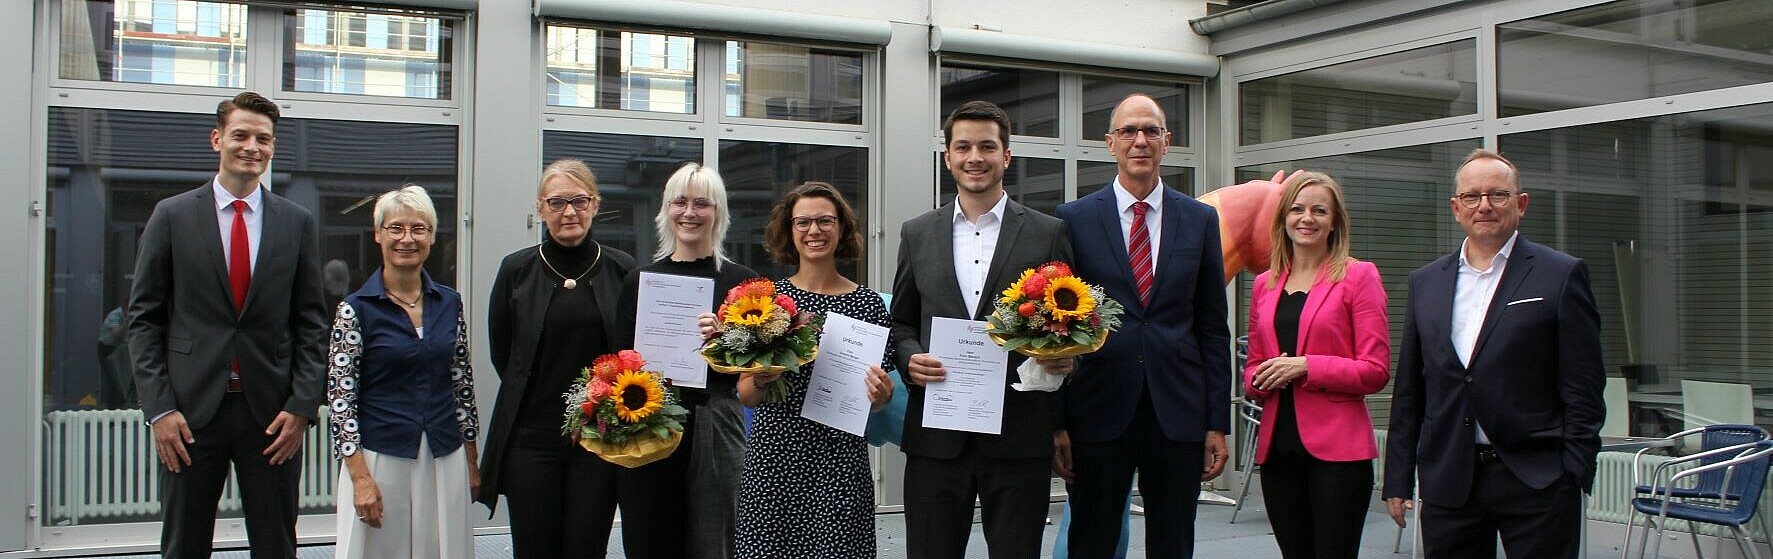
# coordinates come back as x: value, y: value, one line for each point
x: 173, y: 42
x: 611, y: 69
x: 1415, y: 85
x: 360, y: 53
x: 107, y: 169
x: 793, y: 82
x: 1631, y: 49
x: 1031, y: 97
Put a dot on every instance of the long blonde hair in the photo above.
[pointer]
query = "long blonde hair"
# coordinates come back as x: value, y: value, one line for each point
x: 1280, y: 257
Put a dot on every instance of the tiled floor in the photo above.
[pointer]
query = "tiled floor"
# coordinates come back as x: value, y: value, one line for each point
x: 1215, y: 538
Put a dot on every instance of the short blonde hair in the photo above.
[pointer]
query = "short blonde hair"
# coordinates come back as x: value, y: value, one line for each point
x: 408, y: 197
x: 1280, y: 257
x: 692, y: 174
x: 574, y: 170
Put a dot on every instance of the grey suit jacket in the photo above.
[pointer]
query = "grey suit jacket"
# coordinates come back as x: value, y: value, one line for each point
x: 924, y: 287
x: 184, y: 333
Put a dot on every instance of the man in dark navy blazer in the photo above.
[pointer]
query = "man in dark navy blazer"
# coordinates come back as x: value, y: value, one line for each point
x: 1156, y: 398
x: 1498, y: 399
x: 227, y: 330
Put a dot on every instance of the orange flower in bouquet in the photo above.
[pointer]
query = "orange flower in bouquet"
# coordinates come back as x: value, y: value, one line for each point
x: 622, y: 412
x: 760, y: 330
x: 1049, y: 313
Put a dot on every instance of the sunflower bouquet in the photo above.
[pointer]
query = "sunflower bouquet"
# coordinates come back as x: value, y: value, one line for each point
x: 1050, y: 314
x: 759, y: 330
x: 624, y: 413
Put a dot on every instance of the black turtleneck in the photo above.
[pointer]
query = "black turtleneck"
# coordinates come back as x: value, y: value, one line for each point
x: 572, y: 336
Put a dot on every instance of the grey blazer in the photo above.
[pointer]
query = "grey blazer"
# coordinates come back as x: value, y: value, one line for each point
x: 184, y: 332
x: 924, y: 286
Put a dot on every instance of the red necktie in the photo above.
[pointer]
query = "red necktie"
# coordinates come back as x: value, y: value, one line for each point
x: 1139, y: 252
x: 239, y: 257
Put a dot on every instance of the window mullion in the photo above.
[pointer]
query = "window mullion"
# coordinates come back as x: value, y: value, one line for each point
x: 264, y: 51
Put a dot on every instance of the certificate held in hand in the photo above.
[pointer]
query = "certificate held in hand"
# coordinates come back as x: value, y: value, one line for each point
x: 971, y: 397
x: 837, y: 391
x: 665, y: 331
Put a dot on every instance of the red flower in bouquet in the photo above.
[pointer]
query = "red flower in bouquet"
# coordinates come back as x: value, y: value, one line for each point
x: 1050, y: 313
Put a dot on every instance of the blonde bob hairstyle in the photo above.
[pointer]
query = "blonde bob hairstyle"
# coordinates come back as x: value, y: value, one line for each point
x: 574, y: 170
x: 692, y: 174
x: 1280, y: 258
x: 410, y: 197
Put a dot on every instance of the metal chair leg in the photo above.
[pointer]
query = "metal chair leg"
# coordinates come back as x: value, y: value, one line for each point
x: 1243, y: 493
x: 1397, y: 545
x: 1693, y: 533
x: 1655, y: 548
x: 1625, y: 546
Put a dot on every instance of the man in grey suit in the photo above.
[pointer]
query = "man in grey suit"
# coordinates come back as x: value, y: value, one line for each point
x: 953, y: 261
x: 226, y: 329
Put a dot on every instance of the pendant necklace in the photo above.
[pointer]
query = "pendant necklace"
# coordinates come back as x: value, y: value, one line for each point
x: 413, y: 304
x: 569, y: 283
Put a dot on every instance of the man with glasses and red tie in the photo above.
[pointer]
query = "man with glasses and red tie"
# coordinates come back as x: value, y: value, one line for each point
x: 1156, y: 398
x: 227, y: 326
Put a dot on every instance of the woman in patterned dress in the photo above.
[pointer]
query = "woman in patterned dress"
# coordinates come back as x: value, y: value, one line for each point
x: 402, y: 396
x: 806, y: 489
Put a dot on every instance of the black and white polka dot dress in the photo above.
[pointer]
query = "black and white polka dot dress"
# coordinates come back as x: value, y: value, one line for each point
x: 806, y: 489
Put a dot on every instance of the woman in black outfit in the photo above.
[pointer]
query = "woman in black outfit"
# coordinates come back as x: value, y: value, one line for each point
x: 691, y: 226
x: 552, y: 312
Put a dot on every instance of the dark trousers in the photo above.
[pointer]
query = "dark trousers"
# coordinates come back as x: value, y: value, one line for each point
x: 1317, y: 508
x: 267, y: 493
x: 1543, y: 523
x: 1013, y: 499
x: 563, y: 500
x: 1169, y: 484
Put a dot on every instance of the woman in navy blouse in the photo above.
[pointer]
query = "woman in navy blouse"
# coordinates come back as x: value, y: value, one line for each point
x: 402, y: 395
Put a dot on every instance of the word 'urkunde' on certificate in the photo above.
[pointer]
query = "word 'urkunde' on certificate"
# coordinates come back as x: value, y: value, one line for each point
x: 971, y: 397
x: 665, y: 329
x: 837, y: 391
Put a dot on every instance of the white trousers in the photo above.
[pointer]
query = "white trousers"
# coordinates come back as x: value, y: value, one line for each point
x: 424, y: 508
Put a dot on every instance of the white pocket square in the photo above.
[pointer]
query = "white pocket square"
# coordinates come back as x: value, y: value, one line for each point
x: 1533, y: 300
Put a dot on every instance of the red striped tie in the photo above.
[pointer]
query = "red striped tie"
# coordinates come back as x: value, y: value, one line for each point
x: 1139, y: 251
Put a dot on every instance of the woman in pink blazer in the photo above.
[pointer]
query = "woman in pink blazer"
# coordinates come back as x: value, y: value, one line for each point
x: 1318, y: 345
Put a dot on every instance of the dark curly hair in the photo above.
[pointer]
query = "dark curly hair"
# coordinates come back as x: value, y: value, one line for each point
x: 778, y: 236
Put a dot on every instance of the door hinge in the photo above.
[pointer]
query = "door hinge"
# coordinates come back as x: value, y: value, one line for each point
x: 36, y: 208
x: 30, y: 511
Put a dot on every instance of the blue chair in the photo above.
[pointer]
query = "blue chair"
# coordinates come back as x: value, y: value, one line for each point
x: 1711, y: 437
x: 1746, y: 463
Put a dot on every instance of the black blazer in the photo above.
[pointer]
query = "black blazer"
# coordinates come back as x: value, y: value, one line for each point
x: 184, y: 332
x: 1178, y: 349
x: 924, y: 287
x: 520, y: 295
x: 1534, y: 382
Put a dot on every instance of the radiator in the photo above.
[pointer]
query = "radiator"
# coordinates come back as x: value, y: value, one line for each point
x: 99, y: 465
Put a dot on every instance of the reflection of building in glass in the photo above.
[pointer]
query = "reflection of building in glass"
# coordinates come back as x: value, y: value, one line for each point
x: 204, y: 44
x: 652, y: 72
x: 368, y: 54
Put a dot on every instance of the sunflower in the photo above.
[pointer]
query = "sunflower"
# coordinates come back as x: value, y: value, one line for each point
x: 1068, y: 298
x: 750, y: 311
x: 638, y: 395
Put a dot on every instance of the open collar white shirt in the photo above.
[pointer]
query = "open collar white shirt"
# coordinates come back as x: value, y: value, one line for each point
x: 1471, y: 302
x: 1154, y: 222
x: 975, y: 242
x: 224, y: 217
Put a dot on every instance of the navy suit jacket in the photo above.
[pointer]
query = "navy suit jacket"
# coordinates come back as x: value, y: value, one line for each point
x: 1534, y: 383
x: 1178, y: 349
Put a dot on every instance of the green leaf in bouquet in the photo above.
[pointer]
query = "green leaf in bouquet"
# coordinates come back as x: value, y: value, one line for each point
x: 1081, y: 337
x: 661, y: 432
x: 1011, y: 344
